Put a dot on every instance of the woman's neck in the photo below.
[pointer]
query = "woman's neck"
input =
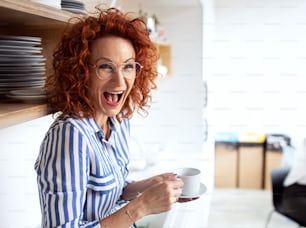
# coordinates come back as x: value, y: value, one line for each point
x: 104, y: 124
x: 106, y: 129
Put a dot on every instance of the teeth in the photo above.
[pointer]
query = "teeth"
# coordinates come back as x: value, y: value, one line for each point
x: 119, y: 92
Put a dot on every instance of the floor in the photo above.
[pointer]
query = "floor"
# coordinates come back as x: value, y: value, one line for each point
x: 237, y: 208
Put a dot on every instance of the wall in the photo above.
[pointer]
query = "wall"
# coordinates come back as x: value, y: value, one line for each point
x: 19, y: 202
x: 254, y: 61
x: 175, y: 117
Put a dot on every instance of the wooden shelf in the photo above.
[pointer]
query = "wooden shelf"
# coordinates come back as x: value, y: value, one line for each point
x: 25, y: 12
x: 24, y: 17
x: 11, y: 114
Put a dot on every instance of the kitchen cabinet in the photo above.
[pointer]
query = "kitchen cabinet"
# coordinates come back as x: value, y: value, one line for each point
x: 27, y: 18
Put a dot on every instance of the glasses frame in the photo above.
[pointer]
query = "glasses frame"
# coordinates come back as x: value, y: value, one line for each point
x: 117, y: 67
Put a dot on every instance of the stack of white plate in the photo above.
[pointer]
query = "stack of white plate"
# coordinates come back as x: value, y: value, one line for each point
x: 35, y: 95
x: 73, y: 6
x: 22, y: 65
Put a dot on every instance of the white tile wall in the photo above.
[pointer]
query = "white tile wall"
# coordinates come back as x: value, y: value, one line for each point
x: 19, y: 202
x: 255, y: 65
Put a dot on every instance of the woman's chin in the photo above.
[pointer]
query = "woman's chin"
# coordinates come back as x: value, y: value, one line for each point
x: 112, y: 111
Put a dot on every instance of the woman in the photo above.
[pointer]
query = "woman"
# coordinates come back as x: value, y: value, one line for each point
x: 104, y: 69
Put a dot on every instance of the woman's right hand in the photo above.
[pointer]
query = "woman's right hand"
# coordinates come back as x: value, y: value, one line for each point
x: 162, y: 194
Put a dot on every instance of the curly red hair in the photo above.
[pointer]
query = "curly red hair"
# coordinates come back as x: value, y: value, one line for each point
x: 66, y: 87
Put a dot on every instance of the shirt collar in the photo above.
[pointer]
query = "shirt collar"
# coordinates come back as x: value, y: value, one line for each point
x: 94, y: 127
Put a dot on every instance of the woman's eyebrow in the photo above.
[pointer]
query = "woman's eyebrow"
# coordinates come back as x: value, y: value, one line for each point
x: 129, y: 59
x: 107, y: 59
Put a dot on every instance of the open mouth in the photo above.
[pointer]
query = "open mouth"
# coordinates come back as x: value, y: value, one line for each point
x: 113, y: 97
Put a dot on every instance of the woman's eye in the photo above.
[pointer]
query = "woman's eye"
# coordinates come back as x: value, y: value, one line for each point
x: 106, y: 67
x: 129, y: 66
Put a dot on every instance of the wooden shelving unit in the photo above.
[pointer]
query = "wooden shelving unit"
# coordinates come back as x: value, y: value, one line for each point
x: 24, y: 17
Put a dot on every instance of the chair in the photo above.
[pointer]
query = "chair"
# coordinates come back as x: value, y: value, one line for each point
x: 282, y: 203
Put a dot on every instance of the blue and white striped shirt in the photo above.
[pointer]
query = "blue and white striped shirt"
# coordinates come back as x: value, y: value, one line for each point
x: 80, y: 175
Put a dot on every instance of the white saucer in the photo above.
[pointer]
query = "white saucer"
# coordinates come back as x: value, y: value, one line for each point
x: 202, y: 190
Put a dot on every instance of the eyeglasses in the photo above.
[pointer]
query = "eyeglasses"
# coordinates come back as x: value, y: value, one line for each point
x: 106, y: 70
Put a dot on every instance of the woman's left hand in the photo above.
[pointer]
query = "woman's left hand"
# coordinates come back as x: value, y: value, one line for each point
x: 133, y: 189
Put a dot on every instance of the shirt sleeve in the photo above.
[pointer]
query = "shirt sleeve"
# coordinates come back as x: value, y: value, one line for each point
x: 62, y: 177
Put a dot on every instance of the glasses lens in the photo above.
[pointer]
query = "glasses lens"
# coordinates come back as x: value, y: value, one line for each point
x: 105, y: 70
x: 130, y: 70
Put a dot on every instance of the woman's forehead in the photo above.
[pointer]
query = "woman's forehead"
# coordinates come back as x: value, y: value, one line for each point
x: 113, y: 48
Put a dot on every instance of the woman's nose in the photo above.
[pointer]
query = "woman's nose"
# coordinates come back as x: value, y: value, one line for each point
x: 118, y: 76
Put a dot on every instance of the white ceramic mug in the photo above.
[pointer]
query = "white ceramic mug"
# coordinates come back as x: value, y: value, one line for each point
x: 191, y: 178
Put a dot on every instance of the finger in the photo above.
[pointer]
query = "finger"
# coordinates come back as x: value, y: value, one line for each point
x: 170, y: 176
x: 177, y: 193
x: 178, y: 183
x: 173, y: 200
x: 161, y: 177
